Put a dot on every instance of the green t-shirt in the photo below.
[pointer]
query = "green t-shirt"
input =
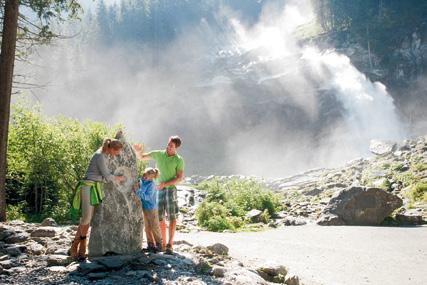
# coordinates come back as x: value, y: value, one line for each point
x: 167, y: 165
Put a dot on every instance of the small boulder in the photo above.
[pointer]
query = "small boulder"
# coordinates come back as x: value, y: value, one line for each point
x: 254, y: 215
x: 58, y: 260
x: 17, y: 238
x: 49, y: 222
x: 44, y: 232
x: 410, y: 217
x: 218, y: 271
x: 273, y: 273
x: 219, y: 249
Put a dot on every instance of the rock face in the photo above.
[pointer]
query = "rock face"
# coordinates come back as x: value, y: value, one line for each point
x: 117, y: 225
x: 359, y: 206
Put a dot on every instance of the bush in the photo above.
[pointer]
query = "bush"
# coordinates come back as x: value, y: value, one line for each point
x: 418, y: 192
x: 15, y: 212
x: 213, y: 216
x: 46, y: 158
x: 227, y: 203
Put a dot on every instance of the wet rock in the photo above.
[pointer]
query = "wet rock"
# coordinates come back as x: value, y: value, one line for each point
x: 218, y: 249
x: 117, y: 225
x: 44, y: 232
x: 359, y: 206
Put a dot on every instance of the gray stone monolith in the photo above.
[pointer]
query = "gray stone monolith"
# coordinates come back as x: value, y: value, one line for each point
x: 117, y: 224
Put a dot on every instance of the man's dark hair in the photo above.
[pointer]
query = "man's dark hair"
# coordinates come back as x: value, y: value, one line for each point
x: 176, y: 140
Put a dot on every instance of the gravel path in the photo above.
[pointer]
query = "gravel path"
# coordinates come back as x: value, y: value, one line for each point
x: 344, y: 255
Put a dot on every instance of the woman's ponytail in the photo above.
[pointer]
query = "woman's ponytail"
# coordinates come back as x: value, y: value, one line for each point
x: 106, y: 145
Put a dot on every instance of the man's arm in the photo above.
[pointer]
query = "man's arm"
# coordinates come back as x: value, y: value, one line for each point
x: 139, y: 154
x: 176, y: 180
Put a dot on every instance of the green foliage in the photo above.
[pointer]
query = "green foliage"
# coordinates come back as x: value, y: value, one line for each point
x: 418, y: 192
x: 227, y: 203
x: 46, y: 157
x: 16, y: 212
x: 420, y: 167
x: 213, y: 216
x: 379, y: 25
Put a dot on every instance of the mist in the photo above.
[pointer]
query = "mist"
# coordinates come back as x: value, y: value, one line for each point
x: 249, y: 100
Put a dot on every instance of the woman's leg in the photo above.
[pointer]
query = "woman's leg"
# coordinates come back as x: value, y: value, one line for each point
x: 87, y: 213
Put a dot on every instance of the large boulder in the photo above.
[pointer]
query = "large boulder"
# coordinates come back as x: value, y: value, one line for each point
x: 379, y: 147
x: 359, y: 206
x: 117, y: 225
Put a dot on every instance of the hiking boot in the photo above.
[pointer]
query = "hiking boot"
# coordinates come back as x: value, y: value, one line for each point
x: 151, y: 247
x: 169, y: 249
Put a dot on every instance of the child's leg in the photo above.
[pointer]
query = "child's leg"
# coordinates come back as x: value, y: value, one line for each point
x: 147, y: 227
x: 156, y: 228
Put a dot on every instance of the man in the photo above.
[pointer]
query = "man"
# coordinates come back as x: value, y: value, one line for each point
x: 171, y: 166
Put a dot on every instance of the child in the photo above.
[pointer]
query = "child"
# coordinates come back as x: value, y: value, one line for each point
x: 148, y: 195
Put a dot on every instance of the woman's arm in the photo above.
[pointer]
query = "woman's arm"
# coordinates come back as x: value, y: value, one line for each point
x: 102, y: 166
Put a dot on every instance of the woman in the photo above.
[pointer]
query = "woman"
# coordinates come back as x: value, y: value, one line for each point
x: 89, y: 192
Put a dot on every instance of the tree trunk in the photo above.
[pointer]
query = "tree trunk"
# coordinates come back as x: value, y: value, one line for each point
x: 7, y: 59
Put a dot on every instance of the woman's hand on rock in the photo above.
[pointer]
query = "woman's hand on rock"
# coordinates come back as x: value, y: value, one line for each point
x: 119, y: 178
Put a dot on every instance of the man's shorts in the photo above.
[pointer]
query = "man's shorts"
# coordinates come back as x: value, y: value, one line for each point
x: 168, y: 203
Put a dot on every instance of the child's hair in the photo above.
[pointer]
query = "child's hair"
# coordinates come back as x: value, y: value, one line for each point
x: 152, y: 171
x: 111, y: 143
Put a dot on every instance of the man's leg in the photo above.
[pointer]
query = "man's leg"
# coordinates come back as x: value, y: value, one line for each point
x: 172, y: 227
x: 162, y: 211
x: 163, y: 230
